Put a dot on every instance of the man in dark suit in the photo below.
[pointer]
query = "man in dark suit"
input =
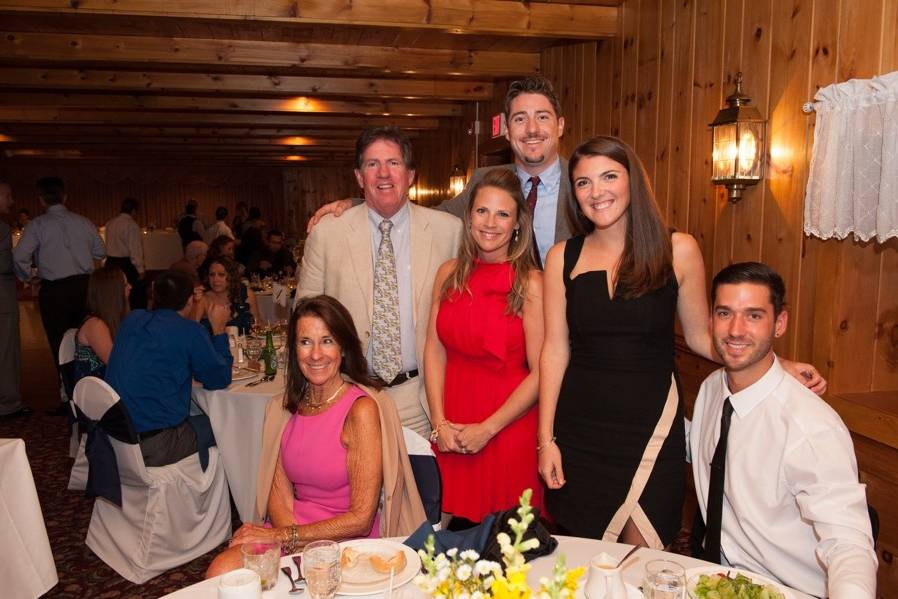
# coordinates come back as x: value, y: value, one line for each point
x: 535, y: 125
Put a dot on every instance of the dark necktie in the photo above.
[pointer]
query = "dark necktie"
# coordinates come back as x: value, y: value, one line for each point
x: 531, y: 206
x: 715, y: 488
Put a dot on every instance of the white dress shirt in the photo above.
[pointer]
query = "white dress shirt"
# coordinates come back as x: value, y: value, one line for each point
x: 793, y: 508
x: 546, y: 205
x: 401, y: 237
x: 61, y: 243
x: 218, y: 229
x: 125, y: 240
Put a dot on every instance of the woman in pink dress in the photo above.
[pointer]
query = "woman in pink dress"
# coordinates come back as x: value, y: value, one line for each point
x: 481, y: 354
x: 329, y: 473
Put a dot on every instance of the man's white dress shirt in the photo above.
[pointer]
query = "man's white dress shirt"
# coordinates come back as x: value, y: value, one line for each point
x: 217, y: 230
x: 793, y: 508
x: 124, y: 239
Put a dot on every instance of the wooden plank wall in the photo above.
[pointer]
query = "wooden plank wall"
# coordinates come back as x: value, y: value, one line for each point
x: 96, y: 191
x: 662, y: 80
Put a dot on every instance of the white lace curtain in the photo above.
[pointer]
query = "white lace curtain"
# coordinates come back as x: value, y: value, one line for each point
x: 853, y: 183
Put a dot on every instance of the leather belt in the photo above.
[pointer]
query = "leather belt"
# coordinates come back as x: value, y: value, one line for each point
x: 402, y: 377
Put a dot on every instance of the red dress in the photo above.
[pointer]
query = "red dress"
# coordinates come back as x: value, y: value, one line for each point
x: 486, y: 360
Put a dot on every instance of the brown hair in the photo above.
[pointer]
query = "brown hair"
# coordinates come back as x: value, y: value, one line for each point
x: 339, y: 322
x: 520, y: 249
x: 532, y: 85
x: 106, y: 297
x: 216, y: 248
x: 231, y: 269
x: 647, y: 260
x: 388, y: 133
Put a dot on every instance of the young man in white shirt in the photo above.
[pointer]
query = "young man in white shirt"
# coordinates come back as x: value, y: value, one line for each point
x: 124, y: 249
x: 788, y: 503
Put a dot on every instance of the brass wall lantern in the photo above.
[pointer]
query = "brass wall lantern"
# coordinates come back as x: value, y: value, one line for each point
x: 737, y: 135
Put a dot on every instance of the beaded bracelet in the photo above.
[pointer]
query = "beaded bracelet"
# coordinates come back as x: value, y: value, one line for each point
x: 539, y: 448
x: 435, y: 433
x: 292, y: 545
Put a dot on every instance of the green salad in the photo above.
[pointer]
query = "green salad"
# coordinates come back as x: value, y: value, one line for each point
x: 720, y: 586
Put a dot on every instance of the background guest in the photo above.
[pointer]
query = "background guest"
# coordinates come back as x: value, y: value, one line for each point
x: 194, y: 255
x: 252, y: 240
x: 222, y: 246
x: 189, y: 226
x: 482, y: 355
x: 608, y: 403
x: 10, y: 351
x: 242, y: 213
x: 22, y: 219
x: 107, y: 306
x: 64, y: 245
x: 124, y: 248
x: 332, y: 446
x: 274, y: 258
x: 155, y: 358
x: 219, y: 227
x: 225, y: 289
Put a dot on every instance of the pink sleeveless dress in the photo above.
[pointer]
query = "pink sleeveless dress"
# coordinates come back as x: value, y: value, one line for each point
x: 315, y: 462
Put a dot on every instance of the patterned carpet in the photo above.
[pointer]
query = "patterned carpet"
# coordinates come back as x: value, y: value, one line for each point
x: 67, y: 514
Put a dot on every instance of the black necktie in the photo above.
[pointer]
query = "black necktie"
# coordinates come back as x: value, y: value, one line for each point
x: 715, y: 488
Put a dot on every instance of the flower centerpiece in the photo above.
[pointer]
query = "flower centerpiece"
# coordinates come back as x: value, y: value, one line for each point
x: 463, y: 575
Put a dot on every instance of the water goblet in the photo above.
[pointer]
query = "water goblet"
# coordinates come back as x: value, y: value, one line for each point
x: 664, y: 579
x: 321, y: 568
x: 263, y: 558
x: 253, y: 349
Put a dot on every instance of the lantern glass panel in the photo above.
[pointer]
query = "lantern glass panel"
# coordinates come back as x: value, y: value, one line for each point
x: 749, y: 151
x: 725, y: 151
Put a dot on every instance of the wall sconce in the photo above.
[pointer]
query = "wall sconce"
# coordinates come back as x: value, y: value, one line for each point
x: 413, y: 193
x: 456, y: 181
x: 737, y: 136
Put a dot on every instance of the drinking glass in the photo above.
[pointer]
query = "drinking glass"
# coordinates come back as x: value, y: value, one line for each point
x: 263, y: 559
x: 321, y: 567
x: 253, y: 348
x: 664, y: 579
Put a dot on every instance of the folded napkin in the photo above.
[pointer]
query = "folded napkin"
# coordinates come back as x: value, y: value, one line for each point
x: 475, y: 538
x: 279, y: 293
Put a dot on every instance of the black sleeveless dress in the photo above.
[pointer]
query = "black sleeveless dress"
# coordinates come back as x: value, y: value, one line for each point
x: 612, y: 396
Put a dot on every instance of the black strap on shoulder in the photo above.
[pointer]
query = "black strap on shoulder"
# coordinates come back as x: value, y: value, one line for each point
x: 572, y: 250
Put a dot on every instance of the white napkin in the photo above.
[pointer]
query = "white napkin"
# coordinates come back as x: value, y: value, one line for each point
x: 280, y: 294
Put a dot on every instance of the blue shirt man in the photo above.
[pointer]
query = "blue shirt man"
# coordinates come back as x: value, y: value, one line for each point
x: 154, y: 360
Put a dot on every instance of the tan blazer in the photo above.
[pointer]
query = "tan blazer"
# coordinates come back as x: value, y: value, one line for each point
x: 403, y: 511
x: 337, y: 261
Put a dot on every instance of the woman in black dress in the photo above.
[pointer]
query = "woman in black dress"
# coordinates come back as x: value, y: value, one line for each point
x: 611, y: 436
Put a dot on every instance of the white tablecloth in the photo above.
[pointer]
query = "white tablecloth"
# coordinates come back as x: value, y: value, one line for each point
x: 27, y: 569
x: 237, y: 414
x: 577, y: 552
x: 270, y: 311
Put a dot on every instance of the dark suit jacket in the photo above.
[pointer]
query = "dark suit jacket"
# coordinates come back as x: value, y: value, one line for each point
x: 563, y: 229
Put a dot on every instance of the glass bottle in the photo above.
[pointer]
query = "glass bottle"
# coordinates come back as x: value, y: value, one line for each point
x: 269, y: 355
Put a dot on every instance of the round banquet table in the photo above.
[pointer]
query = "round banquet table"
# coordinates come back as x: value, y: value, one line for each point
x: 577, y: 552
x: 237, y: 414
x: 27, y: 568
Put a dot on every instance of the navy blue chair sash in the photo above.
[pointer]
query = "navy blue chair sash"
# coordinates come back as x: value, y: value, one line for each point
x: 103, y: 478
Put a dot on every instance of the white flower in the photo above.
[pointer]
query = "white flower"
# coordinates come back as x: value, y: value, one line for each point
x: 443, y: 574
x: 529, y: 544
x: 469, y: 554
x: 452, y: 552
x: 462, y: 595
x: 478, y: 595
x: 463, y: 572
x: 441, y: 562
x: 503, y: 539
x: 483, y: 567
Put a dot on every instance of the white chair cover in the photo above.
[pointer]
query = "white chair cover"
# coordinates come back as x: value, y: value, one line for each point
x: 78, y: 478
x: 169, y: 515
x: 853, y: 181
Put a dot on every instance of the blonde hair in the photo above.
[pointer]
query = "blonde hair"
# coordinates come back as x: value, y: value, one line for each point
x: 520, y: 248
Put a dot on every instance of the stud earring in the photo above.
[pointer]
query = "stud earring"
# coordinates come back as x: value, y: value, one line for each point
x: 517, y: 233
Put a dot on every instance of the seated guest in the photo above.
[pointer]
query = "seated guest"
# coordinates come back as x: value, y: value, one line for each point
x: 107, y: 305
x: 274, y: 258
x: 155, y: 358
x: 329, y: 446
x: 222, y: 246
x: 774, y: 466
x: 194, y: 256
x: 219, y: 227
x: 225, y: 290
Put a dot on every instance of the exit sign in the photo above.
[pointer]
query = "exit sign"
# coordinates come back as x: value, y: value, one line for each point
x: 499, y: 125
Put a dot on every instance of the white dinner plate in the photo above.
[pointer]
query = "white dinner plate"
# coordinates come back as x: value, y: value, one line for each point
x: 692, y: 575
x: 364, y: 580
x: 242, y: 374
x: 633, y: 592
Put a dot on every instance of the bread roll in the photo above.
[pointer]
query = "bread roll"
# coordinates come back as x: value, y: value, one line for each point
x: 395, y: 562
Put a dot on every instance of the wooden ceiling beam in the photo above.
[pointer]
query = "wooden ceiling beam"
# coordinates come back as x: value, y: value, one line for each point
x: 177, y: 142
x: 119, y: 80
x: 503, y: 17
x: 101, y: 117
x: 23, y: 47
x: 17, y: 131
x: 301, y: 104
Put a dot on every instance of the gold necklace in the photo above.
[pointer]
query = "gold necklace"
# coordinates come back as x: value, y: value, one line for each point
x: 318, y: 405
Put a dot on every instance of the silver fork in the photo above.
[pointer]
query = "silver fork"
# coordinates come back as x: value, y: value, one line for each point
x: 264, y: 379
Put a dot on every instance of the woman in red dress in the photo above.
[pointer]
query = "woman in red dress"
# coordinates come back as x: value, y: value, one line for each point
x: 482, y: 352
